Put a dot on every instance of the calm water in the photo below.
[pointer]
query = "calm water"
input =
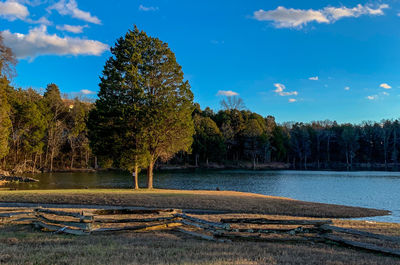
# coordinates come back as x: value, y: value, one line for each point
x: 379, y: 190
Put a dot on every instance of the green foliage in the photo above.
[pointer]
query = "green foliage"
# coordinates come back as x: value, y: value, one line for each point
x: 144, y: 108
x: 208, y: 142
x: 5, y: 122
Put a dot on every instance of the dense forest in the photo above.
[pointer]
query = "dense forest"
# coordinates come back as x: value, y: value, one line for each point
x: 241, y: 135
x: 50, y: 132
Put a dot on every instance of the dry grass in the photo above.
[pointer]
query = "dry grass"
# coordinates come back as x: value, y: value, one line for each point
x: 206, y: 200
x: 23, y: 245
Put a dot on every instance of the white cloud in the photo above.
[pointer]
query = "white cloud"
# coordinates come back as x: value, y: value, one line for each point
x: 228, y: 93
x: 70, y: 7
x: 41, y: 21
x: 385, y: 93
x: 314, y: 78
x: 87, y: 92
x: 70, y: 28
x: 38, y: 42
x: 280, y: 90
x: 385, y: 86
x: 217, y: 42
x: 373, y: 97
x: 335, y: 14
x: 347, y: 88
x: 32, y: 2
x: 291, y: 100
x: 12, y: 10
x: 148, y: 8
x: 297, y: 18
x: 288, y: 18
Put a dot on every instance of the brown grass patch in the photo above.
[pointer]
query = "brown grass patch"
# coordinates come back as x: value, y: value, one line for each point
x: 28, y: 246
x: 206, y: 200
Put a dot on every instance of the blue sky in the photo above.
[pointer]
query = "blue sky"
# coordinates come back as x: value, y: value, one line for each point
x: 296, y: 60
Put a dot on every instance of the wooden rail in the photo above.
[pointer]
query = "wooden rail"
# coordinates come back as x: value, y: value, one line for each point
x: 274, y: 221
x: 82, y: 223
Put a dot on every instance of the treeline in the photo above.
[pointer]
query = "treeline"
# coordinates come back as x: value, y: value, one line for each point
x: 241, y: 135
x: 45, y: 132
x: 145, y: 117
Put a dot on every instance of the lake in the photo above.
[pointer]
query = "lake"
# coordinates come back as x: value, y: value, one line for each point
x: 380, y: 190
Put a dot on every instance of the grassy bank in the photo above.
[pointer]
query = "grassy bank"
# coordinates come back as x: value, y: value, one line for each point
x: 172, y: 247
x: 206, y: 200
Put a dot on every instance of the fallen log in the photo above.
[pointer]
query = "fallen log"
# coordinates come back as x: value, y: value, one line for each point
x: 7, y: 210
x: 84, y: 226
x: 23, y: 220
x: 259, y: 238
x: 360, y: 245
x: 144, y: 220
x: 82, y: 217
x: 14, y: 214
x: 139, y: 228
x: 328, y: 228
x: 17, y: 179
x: 202, y: 226
x: 58, y: 228
x: 297, y: 230
x: 159, y: 227
x: 135, y: 211
x: 275, y: 222
x: 202, y: 236
x: 204, y: 222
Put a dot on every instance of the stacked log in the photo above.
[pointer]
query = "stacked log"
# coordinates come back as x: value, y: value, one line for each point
x: 227, y: 230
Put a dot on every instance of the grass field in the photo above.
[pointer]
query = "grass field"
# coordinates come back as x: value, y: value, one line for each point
x: 206, y: 200
x: 21, y: 244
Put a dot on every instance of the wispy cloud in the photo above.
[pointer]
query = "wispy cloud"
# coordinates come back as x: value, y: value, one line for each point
x: 314, y: 78
x: 70, y: 8
x: 41, y: 21
x: 385, y: 93
x: 217, y: 42
x: 88, y: 92
x: 373, y: 97
x: 385, y: 86
x: 38, y: 42
x: 291, y: 100
x: 71, y: 28
x: 228, y: 93
x: 297, y: 18
x: 280, y: 90
x: 148, y: 8
x: 347, y: 88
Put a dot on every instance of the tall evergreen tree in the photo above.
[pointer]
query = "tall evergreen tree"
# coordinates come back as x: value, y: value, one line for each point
x: 7, y: 61
x: 5, y: 122
x: 144, y: 108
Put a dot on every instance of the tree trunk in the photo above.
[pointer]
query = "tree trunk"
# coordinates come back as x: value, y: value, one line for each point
x: 95, y: 163
x: 34, y: 163
x: 305, y: 162
x: 87, y: 159
x: 150, y: 174
x: 328, y: 150
x: 136, y: 178
x: 51, y: 160
x: 72, y: 159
